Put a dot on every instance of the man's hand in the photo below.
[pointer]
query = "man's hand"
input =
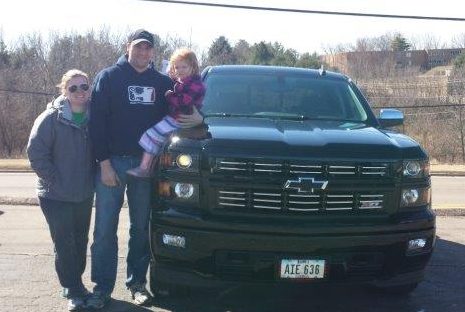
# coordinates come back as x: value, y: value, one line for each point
x: 109, y: 176
x: 189, y: 121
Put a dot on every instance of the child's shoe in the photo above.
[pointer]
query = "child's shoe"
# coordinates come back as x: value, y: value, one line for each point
x: 145, y: 168
x: 139, y: 172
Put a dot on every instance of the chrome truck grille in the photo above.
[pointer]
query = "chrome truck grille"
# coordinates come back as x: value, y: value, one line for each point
x: 252, y: 168
x: 301, y: 186
x: 298, y: 202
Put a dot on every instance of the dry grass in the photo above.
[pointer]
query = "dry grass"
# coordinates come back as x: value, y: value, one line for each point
x: 23, y: 164
x: 447, y: 168
x: 14, y: 164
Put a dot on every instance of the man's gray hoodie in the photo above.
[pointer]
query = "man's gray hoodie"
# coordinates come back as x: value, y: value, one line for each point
x: 60, y: 153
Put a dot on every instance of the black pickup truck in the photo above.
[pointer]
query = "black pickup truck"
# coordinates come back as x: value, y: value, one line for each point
x: 293, y: 180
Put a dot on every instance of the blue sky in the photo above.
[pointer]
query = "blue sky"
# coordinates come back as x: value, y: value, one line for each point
x: 300, y: 31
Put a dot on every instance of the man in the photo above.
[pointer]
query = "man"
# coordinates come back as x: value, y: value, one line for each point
x: 127, y: 99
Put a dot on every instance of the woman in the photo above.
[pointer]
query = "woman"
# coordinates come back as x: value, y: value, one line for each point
x: 60, y: 153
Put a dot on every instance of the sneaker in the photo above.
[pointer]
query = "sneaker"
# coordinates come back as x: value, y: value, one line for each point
x: 97, y: 300
x: 140, y: 294
x: 76, y: 303
x: 139, y: 172
x: 83, y: 292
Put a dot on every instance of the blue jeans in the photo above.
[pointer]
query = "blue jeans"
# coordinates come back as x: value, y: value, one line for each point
x: 108, y: 202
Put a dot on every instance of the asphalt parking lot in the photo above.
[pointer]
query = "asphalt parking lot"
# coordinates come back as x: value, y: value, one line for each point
x: 28, y: 281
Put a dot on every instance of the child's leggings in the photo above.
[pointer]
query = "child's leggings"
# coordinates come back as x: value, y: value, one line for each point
x: 152, y: 139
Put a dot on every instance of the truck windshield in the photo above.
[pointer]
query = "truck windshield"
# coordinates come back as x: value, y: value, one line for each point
x: 281, y: 96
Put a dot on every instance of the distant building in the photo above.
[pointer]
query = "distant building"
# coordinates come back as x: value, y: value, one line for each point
x: 442, y: 57
x: 347, y: 62
x: 435, y: 85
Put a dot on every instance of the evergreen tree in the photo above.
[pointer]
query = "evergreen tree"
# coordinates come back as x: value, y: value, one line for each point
x: 220, y: 52
x: 262, y: 53
x: 399, y: 43
x: 459, y: 61
x: 242, y: 52
x: 308, y: 60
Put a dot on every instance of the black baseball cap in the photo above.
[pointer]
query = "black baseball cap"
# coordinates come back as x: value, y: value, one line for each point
x: 141, y: 35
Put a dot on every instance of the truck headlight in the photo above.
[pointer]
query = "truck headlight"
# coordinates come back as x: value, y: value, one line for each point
x: 179, y: 192
x: 411, y: 197
x: 181, y: 162
x: 415, y: 168
x: 184, y: 190
x: 184, y: 161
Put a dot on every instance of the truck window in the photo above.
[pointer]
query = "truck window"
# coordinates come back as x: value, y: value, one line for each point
x: 301, y: 95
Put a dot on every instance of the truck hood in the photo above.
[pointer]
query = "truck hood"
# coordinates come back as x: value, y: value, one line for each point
x: 309, y: 139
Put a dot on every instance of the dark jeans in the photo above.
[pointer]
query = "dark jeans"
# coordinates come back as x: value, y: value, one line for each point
x: 69, y: 227
x: 108, y: 203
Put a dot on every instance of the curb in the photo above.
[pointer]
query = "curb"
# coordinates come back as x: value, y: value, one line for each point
x: 23, y: 201
x: 19, y: 201
x: 29, y: 201
x: 452, y: 212
x: 448, y: 174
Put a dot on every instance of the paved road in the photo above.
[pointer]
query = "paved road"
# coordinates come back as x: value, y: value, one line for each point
x: 17, y: 184
x: 28, y: 281
x: 447, y: 191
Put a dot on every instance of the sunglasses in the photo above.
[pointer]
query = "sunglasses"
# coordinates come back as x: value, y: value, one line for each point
x: 74, y: 88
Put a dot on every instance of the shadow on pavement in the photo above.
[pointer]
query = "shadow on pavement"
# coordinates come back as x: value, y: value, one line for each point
x: 442, y: 290
x: 1, y: 212
x: 120, y: 306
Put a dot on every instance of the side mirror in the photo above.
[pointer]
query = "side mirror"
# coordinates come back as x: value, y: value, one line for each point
x: 389, y: 117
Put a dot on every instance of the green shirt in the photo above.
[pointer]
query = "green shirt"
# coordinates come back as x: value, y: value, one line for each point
x: 79, y: 118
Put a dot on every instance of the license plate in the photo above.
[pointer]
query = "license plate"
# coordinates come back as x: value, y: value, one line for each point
x: 302, y: 269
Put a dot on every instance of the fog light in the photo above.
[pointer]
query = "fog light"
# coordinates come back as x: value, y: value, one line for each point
x: 175, y: 241
x: 416, y: 245
x: 184, y: 190
x: 409, y: 197
x: 184, y: 161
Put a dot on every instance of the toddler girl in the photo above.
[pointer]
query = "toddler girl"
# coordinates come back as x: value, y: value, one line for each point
x: 188, y: 92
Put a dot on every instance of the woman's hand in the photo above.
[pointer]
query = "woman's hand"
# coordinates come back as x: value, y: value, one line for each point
x: 189, y: 121
x: 168, y: 92
x: 109, y: 176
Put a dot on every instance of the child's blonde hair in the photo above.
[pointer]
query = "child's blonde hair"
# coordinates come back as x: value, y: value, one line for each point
x: 68, y: 76
x: 186, y: 55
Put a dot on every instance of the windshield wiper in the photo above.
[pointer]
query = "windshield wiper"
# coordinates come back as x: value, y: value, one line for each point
x: 271, y: 116
x: 337, y: 119
x: 228, y: 115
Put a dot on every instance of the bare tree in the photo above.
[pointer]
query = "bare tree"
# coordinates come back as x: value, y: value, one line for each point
x: 458, y: 41
x: 426, y: 42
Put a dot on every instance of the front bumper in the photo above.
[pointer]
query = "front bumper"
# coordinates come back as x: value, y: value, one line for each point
x: 220, y: 259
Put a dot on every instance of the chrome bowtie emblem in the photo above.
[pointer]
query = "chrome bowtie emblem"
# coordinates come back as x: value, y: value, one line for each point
x: 307, y: 185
